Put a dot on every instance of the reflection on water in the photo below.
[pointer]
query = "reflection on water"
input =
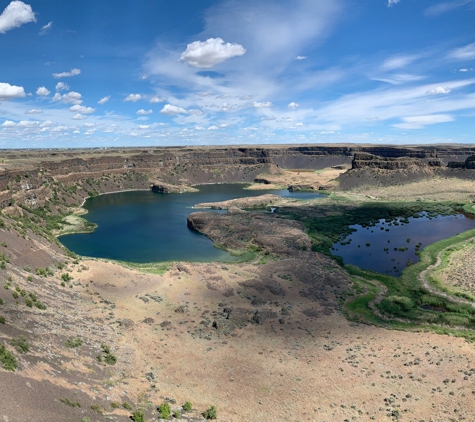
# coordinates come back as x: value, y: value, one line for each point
x: 389, y: 246
x: 143, y: 226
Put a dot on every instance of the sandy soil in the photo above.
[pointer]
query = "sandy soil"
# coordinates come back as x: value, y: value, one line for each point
x: 314, y: 367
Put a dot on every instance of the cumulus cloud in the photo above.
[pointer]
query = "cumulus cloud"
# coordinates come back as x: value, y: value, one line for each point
x: 8, y: 92
x: 61, y: 86
x: 392, y: 2
x: 69, y: 98
x: 16, y: 14
x: 104, y: 100
x: 213, y: 127
x: 79, y: 116
x: 206, y: 54
x: 144, y: 127
x: 143, y: 112
x: 438, y: 90
x: 171, y: 110
x: 464, y: 53
x: 72, y: 72
x: 292, y: 106
x: 81, y: 109
x: 42, y: 91
x: 34, y: 111
x: 300, y: 57
x: 261, y: 105
x: 46, y: 28
x: 133, y: 97
x: 156, y: 99
x: 8, y: 123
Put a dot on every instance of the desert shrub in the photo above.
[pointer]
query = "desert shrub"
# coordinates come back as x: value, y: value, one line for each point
x: 211, y: 413
x: 22, y: 293
x: 30, y: 278
x: 177, y: 414
x: 115, y: 405
x: 28, y: 302
x: 15, y: 294
x: 40, y: 305
x: 187, y: 406
x: 138, y: 416
x: 33, y: 297
x: 1, y: 301
x: 2, y: 320
x: 7, y: 359
x: 110, y: 359
x: 66, y: 277
x: 21, y: 344
x: 164, y: 410
x: 73, y: 342
x: 68, y: 402
x: 126, y: 406
x: 97, y: 408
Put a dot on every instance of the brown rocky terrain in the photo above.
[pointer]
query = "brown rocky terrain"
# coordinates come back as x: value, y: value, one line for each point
x: 263, y: 340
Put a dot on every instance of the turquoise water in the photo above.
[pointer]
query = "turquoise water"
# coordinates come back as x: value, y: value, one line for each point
x: 144, y: 226
x: 388, y: 247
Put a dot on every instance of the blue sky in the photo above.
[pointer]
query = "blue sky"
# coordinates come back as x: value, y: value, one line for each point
x: 121, y: 73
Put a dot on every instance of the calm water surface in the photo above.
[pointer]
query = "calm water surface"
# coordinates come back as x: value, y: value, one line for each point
x: 367, y: 244
x: 151, y: 227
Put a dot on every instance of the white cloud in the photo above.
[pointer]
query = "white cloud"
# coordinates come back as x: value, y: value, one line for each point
x: 391, y: 2
x: 171, y: 110
x: 7, y: 91
x: 69, y: 98
x: 16, y: 14
x: 246, y: 97
x: 419, y: 122
x: 144, y: 127
x: 133, y: 97
x: 104, y: 100
x: 397, y: 62
x: 262, y: 105
x: 81, y: 109
x: 72, y: 72
x: 46, y: 28
x: 79, y: 116
x: 399, y: 78
x: 463, y: 70
x: 42, y: 91
x: 292, y: 106
x: 213, y: 127
x: 301, y: 58
x: 206, y: 54
x: 463, y: 53
x: 61, y: 86
x: 439, y: 8
x: 8, y: 123
x: 438, y: 90
x: 143, y: 112
x: 34, y: 111
x: 156, y: 99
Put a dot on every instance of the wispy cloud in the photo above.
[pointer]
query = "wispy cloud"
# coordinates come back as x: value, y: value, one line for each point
x: 46, y: 28
x: 103, y: 100
x: 440, y: 8
x: 463, y: 53
x: 396, y: 62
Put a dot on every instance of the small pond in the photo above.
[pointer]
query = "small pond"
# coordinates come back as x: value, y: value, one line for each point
x: 388, y: 246
x: 143, y: 226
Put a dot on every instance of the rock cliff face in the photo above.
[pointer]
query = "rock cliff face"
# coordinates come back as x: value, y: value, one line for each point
x: 365, y: 160
x: 33, y: 177
x: 469, y: 164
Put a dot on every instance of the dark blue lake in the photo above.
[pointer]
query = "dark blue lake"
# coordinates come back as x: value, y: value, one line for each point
x: 144, y: 226
x: 388, y: 247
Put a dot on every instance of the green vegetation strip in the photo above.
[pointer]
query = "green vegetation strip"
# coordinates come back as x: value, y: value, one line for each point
x: 407, y: 304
